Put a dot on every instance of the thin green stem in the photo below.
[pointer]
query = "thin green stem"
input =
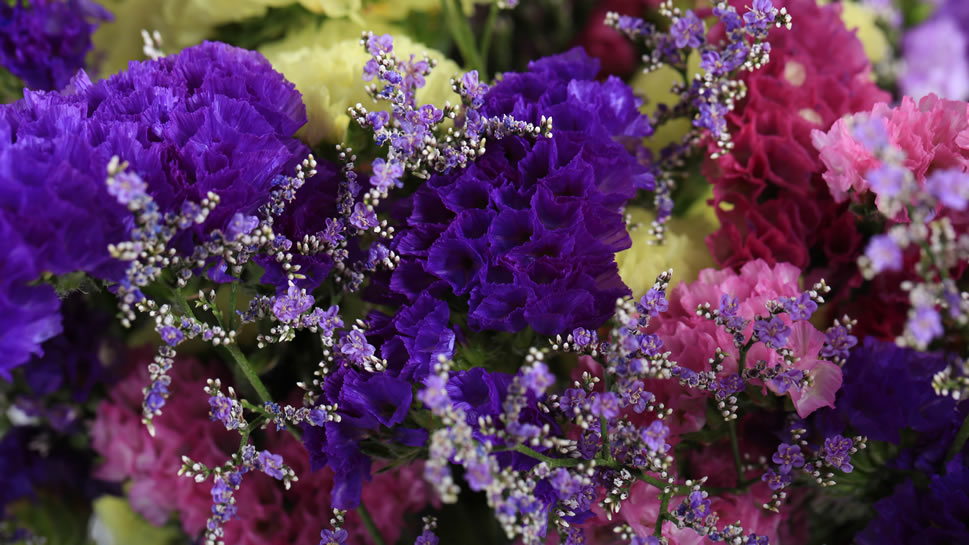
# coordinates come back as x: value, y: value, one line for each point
x: 240, y: 359
x: 960, y: 440
x: 489, y: 30
x: 664, y: 505
x: 604, y: 426
x: 460, y: 30
x: 371, y: 527
x: 230, y: 313
x: 735, y: 448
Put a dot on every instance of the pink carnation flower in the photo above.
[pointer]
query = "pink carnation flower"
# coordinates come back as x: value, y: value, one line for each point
x: 268, y: 514
x: 692, y: 339
x: 934, y: 134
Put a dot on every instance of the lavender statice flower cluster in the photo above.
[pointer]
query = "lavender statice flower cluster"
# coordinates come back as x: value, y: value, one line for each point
x: 921, y: 218
x: 707, y: 98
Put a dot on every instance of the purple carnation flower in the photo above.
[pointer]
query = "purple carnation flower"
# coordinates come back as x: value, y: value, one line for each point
x: 529, y: 231
x: 44, y: 43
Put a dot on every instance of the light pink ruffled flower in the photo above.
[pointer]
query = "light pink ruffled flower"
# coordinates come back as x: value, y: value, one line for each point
x: 933, y: 134
x: 691, y: 339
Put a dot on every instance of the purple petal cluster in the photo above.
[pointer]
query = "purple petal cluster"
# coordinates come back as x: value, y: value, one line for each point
x: 44, y: 42
x: 886, y: 391
x: 528, y: 233
x: 212, y: 118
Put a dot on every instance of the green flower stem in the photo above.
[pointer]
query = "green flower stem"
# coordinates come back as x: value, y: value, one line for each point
x: 240, y: 359
x: 664, y: 505
x: 959, y: 441
x: 735, y: 448
x: 371, y: 527
x: 489, y: 31
x: 460, y: 30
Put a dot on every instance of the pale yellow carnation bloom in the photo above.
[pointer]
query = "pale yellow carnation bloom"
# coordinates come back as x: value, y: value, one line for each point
x: 326, y: 65
x: 683, y: 250
x: 862, y: 18
x: 116, y: 523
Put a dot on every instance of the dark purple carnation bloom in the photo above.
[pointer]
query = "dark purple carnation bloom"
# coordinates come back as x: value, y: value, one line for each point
x: 529, y: 231
x: 937, y: 515
x: 886, y: 390
x: 211, y: 118
x: 33, y: 459
x: 83, y: 356
x: 417, y: 335
x: 45, y: 43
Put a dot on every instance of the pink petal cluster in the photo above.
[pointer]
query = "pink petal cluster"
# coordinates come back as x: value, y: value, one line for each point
x: 268, y: 514
x: 934, y: 134
x: 691, y: 339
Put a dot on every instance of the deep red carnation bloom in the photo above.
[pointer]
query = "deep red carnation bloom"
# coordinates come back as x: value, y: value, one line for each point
x: 770, y: 197
x: 616, y: 53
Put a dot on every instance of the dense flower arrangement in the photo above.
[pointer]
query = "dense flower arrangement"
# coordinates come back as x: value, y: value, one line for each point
x: 301, y: 272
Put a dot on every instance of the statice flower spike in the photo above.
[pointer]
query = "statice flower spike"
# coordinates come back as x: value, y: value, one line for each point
x: 708, y: 98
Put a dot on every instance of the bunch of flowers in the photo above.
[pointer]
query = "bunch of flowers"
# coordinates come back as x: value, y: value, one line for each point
x: 376, y: 299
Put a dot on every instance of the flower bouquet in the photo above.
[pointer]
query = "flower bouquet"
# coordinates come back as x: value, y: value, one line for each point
x: 644, y: 272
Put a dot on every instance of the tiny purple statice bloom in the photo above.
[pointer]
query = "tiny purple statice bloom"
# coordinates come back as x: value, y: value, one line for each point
x: 761, y: 14
x: 317, y: 417
x: 838, y: 342
x: 651, y: 344
x: 221, y: 491
x: 688, y: 30
x: 434, y: 394
x: 235, y: 479
x: 728, y: 16
x: 870, y: 132
x: 333, y: 537
x: 292, y: 305
x: 654, y: 302
x: 800, y: 307
x: 605, y: 405
x: 888, y: 180
x: 951, y: 187
x: 731, y: 384
x: 473, y: 88
x: 370, y: 70
x: 171, y: 335
x: 240, y: 225
x: 356, y: 348
x: 712, y: 117
x: 386, y: 175
x: 363, y: 217
x: 838, y: 452
x: 220, y: 409
x: 788, y: 457
x: 788, y: 380
x: 571, y: 399
x: 427, y: 537
x: 537, y: 378
x: 478, y: 474
x: 925, y: 324
x: 699, y: 506
x: 332, y: 233
x: 270, y: 464
x: 884, y: 254
x: 127, y: 187
x: 775, y: 480
x: 773, y: 332
x: 377, y: 120
x: 155, y: 399
x: 655, y: 436
x: 583, y: 337
x: 631, y: 25
x: 380, y: 45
